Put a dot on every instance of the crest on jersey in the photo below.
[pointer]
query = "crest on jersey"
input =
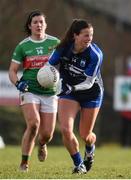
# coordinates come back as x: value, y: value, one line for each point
x: 50, y: 48
x: 83, y: 63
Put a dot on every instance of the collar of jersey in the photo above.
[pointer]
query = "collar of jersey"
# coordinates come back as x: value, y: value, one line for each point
x: 38, y: 41
x: 72, y: 49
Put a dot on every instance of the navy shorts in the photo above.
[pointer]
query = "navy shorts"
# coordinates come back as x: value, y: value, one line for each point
x: 90, y: 98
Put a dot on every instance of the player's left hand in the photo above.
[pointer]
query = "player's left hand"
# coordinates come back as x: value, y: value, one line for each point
x: 22, y: 86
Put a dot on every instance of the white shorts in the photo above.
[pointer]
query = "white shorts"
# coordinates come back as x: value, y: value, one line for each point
x: 47, y: 103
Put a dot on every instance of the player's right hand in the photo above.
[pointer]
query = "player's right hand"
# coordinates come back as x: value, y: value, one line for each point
x: 66, y: 89
x: 22, y: 86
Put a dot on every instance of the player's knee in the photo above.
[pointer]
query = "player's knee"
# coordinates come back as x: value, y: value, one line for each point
x: 46, y: 137
x: 33, y: 128
x: 89, y: 138
x: 66, y: 133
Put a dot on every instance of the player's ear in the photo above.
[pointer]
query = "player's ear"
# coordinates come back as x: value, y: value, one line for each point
x: 29, y: 26
x: 45, y: 25
x: 74, y: 36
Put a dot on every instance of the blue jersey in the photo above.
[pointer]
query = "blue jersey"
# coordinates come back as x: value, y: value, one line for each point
x: 81, y: 70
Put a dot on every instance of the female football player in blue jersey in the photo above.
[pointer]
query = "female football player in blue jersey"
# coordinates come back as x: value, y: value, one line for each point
x: 82, y: 90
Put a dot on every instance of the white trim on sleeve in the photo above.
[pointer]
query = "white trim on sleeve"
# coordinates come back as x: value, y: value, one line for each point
x: 13, y: 60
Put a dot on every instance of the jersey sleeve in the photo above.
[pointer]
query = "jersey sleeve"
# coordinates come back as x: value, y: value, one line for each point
x: 96, y: 61
x: 18, y: 54
x: 92, y: 69
x: 54, y: 59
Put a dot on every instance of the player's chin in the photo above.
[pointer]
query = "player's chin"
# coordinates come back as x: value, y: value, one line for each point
x: 39, y: 32
x: 88, y: 43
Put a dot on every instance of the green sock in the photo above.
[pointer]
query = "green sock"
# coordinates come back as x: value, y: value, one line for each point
x: 25, y: 158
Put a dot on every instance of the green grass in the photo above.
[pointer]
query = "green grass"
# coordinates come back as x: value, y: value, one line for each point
x: 111, y: 162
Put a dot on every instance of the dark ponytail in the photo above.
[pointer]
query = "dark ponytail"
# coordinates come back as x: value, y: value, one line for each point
x: 75, y: 28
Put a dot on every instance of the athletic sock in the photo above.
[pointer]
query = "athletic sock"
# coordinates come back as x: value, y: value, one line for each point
x: 24, y: 159
x: 90, y: 148
x: 77, y: 159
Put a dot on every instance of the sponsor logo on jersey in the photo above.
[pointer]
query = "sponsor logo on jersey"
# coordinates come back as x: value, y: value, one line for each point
x: 74, y: 59
x: 34, y: 62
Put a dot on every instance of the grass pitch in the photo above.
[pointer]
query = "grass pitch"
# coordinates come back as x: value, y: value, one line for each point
x: 111, y: 162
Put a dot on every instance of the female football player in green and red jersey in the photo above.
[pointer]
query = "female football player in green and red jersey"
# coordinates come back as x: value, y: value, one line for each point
x: 38, y: 104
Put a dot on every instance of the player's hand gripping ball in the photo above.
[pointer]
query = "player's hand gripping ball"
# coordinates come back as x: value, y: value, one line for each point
x: 48, y: 76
